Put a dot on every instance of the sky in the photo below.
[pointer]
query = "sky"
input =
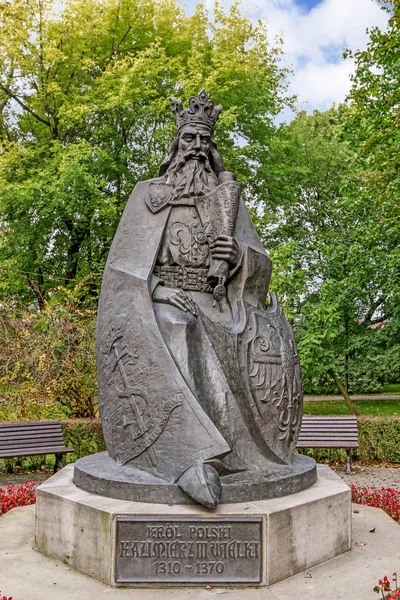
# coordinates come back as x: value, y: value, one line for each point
x: 315, y: 33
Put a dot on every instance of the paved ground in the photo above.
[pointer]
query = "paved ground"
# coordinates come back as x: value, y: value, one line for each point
x: 27, y: 575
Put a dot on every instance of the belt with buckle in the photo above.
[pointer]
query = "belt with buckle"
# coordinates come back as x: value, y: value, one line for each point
x: 187, y: 278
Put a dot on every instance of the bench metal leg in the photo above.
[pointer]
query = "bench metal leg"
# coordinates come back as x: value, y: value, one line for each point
x: 348, y: 467
x: 58, y: 464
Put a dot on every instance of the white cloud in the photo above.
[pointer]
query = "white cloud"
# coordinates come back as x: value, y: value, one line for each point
x: 314, y: 42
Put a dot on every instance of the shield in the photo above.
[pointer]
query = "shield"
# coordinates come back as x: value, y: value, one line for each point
x: 159, y: 195
x: 272, y: 377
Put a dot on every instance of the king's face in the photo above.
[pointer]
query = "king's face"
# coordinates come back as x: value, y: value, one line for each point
x: 196, y: 139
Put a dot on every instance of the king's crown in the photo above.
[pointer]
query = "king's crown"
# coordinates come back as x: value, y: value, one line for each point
x: 201, y: 110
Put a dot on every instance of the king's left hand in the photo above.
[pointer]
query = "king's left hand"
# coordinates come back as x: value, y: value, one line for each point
x: 224, y: 247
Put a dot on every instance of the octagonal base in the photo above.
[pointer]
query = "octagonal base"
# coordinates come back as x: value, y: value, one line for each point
x: 284, y: 536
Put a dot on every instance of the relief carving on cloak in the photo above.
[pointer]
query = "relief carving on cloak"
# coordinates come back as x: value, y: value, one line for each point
x: 188, y: 243
x: 139, y: 417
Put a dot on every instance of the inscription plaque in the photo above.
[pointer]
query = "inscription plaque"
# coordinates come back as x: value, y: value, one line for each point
x: 186, y: 550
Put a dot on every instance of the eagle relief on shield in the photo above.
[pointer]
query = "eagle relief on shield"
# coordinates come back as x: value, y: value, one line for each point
x: 273, y: 379
x: 159, y: 196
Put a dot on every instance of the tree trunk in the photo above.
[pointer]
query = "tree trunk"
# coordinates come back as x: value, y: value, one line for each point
x: 342, y: 390
x: 36, y: 288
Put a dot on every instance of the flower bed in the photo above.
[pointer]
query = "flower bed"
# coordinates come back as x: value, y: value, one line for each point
x: 386, y: 498
x: 17, y: 495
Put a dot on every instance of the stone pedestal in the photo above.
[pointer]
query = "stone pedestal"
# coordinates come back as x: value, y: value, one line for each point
x: 132, y: 543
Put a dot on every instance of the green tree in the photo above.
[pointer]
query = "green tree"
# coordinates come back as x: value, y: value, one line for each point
x: 314, y: 219
x: 372, y: 128
x: 84, y: 115
x: 327, y: 203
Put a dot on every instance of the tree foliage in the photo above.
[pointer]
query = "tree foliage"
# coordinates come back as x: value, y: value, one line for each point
x: 330, y: 213
x: 318, y: 220
x: 372, y: 128
x: 84, y: 115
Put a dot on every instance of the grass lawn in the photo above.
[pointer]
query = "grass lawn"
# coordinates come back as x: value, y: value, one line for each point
x: 391, y: 388
x: 377, y: 408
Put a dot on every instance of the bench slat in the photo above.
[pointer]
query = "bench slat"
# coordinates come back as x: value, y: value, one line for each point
x: 326, y: 439
x: 30, y: 443
x: 5, y: 430
x: 30, y: 425
x: 36, y: 452
x: 325, y: 433
x: 32, y: 440
x: 330, y: 425
x: 328, y: 445
x: 26, y: 433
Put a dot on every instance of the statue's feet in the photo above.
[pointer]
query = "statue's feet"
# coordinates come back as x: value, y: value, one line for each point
x: 201, y: 482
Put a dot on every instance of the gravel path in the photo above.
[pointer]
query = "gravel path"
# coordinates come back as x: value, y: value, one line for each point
x: 17, y: 478
x: 388, y: 477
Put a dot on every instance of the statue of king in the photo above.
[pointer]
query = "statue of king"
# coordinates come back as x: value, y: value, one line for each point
x: 199, y: 385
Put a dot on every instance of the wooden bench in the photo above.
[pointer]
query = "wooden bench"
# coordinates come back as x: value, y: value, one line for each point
x: 33, y: 439
x: 329, y: 432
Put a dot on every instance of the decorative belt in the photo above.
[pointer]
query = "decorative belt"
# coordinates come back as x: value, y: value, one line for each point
x: 187, y: 278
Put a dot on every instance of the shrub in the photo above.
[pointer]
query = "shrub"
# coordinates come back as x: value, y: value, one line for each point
x: 379, y: 438
x: 386, y: 589
x: 85, y: 436
x: 47, y: 360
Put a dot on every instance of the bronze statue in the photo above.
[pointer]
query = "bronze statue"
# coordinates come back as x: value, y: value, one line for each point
x: 200, y: 386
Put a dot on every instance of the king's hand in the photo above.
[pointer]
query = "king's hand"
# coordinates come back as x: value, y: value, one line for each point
x: 175, y: 297
x: 225, y: 247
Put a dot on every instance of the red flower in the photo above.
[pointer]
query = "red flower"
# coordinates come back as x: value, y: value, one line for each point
x: 386, y: 498
x: 17, y: 495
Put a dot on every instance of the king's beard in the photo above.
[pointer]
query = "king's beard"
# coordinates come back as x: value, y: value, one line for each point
x: 191, y: 175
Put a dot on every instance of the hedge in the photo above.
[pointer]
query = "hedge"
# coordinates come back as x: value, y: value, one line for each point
x: 85, y: 436
x: 379, y: 439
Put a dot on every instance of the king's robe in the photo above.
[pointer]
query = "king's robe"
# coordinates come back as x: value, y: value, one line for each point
x: 177, y: 389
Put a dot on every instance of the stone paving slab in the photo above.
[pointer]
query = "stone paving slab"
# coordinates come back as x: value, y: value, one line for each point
x: 27, y: 575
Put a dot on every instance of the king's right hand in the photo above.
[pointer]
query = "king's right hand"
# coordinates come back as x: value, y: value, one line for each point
x: 175, y: 297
